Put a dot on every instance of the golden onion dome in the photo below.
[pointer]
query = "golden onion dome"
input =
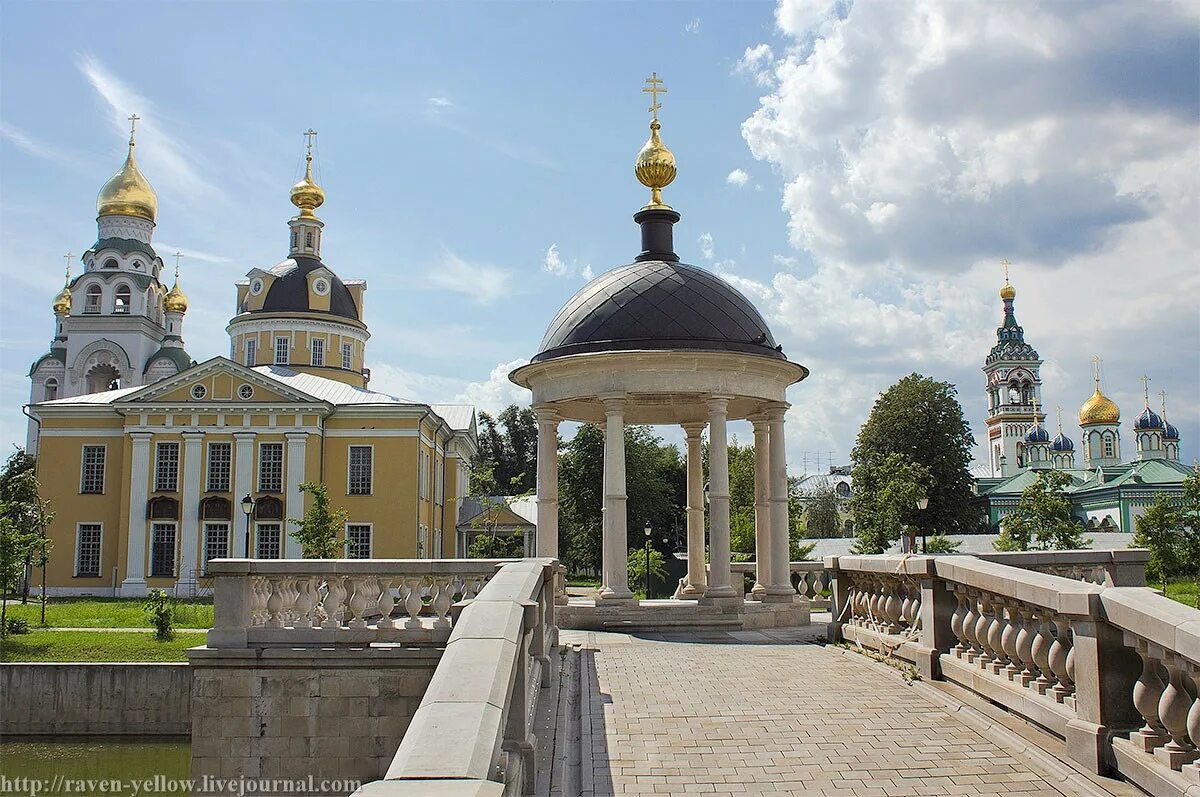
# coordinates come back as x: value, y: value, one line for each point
x: 306, y: 194
x: 176, y: 300
x: 655, y: 167
x: 62, y: 302
x: 128, y: 193
x: 1099, y: 409
x: 1008, y: 292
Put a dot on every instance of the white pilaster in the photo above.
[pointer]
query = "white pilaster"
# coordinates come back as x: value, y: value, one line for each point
x: 762, y: 506
x: 189, y: 521
x: 615, y: 529
x: 697, y: 575
x: 780, y: 586
x: 547, y: 482
x: 294, y: 501
x: 139, y: 492
x: 719, y: 585
x: 243, y: 485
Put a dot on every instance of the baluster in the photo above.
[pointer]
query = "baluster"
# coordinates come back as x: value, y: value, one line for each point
x: 1146, y: 693
x: 1173, y: 709
x: 892, y: 607
x: 412, y: 601
x: 357, y: 586
x: 981, y: 630
x: 1059, y: 649
x: 442, y: 601
x: 303, y: 603
x: 1025, y: 637
x: 1008, y: 641
x: 1193, y: 723
x: 274, y: 602
x: 906, y: 606
x: 386, y: 602
x: 335, y: 594
x: 995, y: 638
x: 968, y: 625
x: 290, y: 593
x: 1042, y: 642
x: 956, y: 622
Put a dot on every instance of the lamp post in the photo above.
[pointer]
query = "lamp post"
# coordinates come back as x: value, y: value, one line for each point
x: 248, y: 509
x: 648, y: 531
x: 922, y: 505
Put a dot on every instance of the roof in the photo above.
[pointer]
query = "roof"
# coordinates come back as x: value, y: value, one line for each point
x: 523, y: 508
x: 125, y: 246
x: 59, y: 354
x: 175, y: 354
x: 459, y: 417
x: 656, y: 304
x: 818, y: 482
x: 289, y: 291
x: 103, y: 397
x: 1150, y: 472
x: 329, y: 390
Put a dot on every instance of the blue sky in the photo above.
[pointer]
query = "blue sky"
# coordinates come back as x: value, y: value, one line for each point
x: 858, y: 170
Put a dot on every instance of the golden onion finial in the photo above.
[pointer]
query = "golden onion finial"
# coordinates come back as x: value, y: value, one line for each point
x: 1008, y: 292
x: 128, y: 192
x: 306, y: 194
x: 62, y: 302
x: 176, y: 300
x: 655, y: 166
x: 1099, y: 408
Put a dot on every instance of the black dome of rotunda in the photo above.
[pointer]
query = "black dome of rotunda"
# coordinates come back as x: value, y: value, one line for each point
x: 289, y: 293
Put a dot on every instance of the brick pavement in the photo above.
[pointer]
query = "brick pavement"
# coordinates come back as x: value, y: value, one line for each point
x: 763, y: 713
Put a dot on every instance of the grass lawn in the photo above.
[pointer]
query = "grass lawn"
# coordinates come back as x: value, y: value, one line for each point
x: 108, y: 613
x: 1184, y: 590
x: 95, y: 646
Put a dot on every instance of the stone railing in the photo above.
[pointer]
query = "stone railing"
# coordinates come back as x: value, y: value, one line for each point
x: 472, y: 733
x: 1115, y: 568
x: 321, y: 602
x: 810, y: 579
x: 1088, y: 662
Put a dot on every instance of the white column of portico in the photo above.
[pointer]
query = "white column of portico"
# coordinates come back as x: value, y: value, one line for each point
x: 139, y: 492
x: 719, y: 586
x: 697, y: 576
x: 243, y: 485
x: 189, y: 519
x: 780, y: 586
x: 762, y: 506
x: 294, y: 501
x: 547, y: 494
x: 616, y: 555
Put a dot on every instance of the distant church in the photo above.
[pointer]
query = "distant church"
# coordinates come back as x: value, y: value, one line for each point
x: 155, y: 464
x: 1106, y: 493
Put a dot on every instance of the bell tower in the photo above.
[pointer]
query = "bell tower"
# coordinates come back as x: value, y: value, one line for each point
x: 1013, y: 386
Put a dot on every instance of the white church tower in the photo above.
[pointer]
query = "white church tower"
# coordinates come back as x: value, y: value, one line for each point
x: 1014, y: 390
x: 116, y: 324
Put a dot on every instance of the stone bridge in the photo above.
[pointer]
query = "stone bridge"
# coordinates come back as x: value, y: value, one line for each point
x: 1050, y: 674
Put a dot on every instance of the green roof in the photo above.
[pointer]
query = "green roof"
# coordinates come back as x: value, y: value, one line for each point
x: 53, y: 354
x: 182, y: 360
x: 1152, y: 472
x: 125, y: 246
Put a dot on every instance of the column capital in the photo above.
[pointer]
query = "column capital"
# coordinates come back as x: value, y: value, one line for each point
x: 776, y: 410
x: 694, y: 429
x: 718, y: 403
x: 546, y: 414
x: 141, y: 437
x: 614, y: 403
x: 195, y: 436
x: 295, y: 437
x: 244, y: 436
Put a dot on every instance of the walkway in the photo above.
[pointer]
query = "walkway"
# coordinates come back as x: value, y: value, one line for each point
x: 764, y: 713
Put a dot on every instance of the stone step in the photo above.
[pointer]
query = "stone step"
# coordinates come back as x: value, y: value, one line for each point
x: 696, y: 622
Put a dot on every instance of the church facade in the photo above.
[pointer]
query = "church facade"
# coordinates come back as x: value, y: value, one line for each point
x: 1107, y: 491
x: 155, y: 464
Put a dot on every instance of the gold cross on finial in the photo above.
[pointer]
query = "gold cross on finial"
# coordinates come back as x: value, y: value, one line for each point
x: 133, y: 120
x: 1005, y: 264
x: 1096, y: 369
x: 654, y: 87
x: 68, y: 257
x: 1162, y: 397
x: 177, y: 256
x: 1058, y: 415
x: 310, y: 134
x: 1146, y: 389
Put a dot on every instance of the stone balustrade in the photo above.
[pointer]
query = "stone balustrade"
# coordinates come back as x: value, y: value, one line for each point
x: 810, y: 579
x: 1088, y: 661
x: 318, y: 602
x: 471, y: 734
x: 1115, y: 568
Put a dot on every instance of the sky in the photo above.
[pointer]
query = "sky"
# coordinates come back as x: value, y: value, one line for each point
x: 858, y: 169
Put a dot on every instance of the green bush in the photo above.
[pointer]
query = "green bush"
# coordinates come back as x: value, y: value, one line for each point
x: 158, y: 607
x: 17, y: 625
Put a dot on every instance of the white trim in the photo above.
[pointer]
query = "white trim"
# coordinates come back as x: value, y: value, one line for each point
x: 351, y: 328
x: 275, y: 350
x: 259, y: 463
x: 174, y: 524
x: 158, y: 444
x: 208, y: 488
x: 100, y: 556
x: 370, y: 537
x: 103, y: 470
x: 370, y: 491
x: 370, y: 433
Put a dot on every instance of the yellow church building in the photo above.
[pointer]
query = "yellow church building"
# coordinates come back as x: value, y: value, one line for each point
x: 177, y: 463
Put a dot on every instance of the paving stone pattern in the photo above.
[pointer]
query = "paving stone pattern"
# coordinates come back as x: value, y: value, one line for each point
x: 768, y: 713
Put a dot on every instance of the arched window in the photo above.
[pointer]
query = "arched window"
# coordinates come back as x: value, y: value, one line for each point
x: 110, y: 263
x: 308, y: 240
x: 295, y: 239
x: 51, y: 389
x: 91, y: 299
x: 1108, y: 447
x: 121, y: 300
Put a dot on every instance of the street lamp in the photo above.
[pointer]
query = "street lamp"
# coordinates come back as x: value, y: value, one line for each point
x: 922, y: 505
x: 648, y: 531
x: 248, y: 508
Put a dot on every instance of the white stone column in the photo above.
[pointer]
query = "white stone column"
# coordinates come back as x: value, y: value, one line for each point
x: 762, y: 506
x: 780, y: 586
x: 294, y: 499
x: 616, y: 554
x: 547, y: 482
x: 139, y: 493
x: 719, y: 586
x: 243, y: 485
x: 697, y: 572
x: 189, y: 509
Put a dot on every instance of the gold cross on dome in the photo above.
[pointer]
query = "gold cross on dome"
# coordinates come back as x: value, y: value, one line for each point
x: 68, y: 257
x: 178, y: 255
x: 1146, y: 389
x: 654, y: 87
x: 1096, y: 369
x: 1162, y: 396
x: 310, y: 134
x: 133, y: 120
x: 1004, y: 264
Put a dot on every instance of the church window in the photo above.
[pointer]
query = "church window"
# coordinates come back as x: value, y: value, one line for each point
x: 110, y: 263
x: 220, y: 455
x: 87, y: 549
x: 439, y: 484
x: 51, y: 390
x: 121, y: 300
x: 281, y: 351
x: 358, y: 540
x: 91, y: 299
x: 1108, y: 447
x: 347, y: 355
x: 199, y: 391
x: 251, y: 351
x: 422, y: 540
x: 308, y: 240
x: 295, y: 239
x: 137, y: 265
x: 166, y: 467
x: 162, y: 553
x: 216, y: 542
x: 360, y: 470
x: 92, y: 479
x: 268, y: 544
x: 246, y: 392
x: 270, y: 468
x: 318, y: 352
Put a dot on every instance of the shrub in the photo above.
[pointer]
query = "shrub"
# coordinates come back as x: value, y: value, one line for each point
x: 158, y: 607
x: 17, y: 625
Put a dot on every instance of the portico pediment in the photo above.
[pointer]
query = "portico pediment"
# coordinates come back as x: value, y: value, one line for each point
x: 218, y: 381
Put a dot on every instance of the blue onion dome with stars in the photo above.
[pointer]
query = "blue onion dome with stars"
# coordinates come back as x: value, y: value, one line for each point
x: 1149, y: 419
x: 1062, y: 443
x: 1038, y: 434
x: 1170, y: 432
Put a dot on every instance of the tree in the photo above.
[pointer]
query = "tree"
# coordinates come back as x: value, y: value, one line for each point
x: 1189, y: 523
x: 1160, y: 531
x: 319, y: 529
x: 506, y: 461
x: 24, y: 516
x: 497, y: 546
x: 637, y: 566
x: 1042, y: 520
x: 921, y: 420
x: 886, y: 490
x: 822, y: 509
x: 941, y: 543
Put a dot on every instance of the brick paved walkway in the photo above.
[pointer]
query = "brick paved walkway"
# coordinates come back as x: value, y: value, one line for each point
x: 762, y: 713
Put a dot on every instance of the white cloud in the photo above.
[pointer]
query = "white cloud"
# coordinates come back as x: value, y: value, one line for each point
x: 757, y: 62
x: 737, y: 177
x: 483, y: 282
x: 587, y: 273
x: 497, y: 392
x: 167, y: 251
x: 440, y: 103
x: 693, y: 26
x: 553, y: 262
x: 706, y: 245
x: 34, y: 147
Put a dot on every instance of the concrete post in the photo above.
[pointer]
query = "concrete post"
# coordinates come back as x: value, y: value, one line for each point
x: 243, y: 484
x: 294, y: 506
x: 937, y: 607
x: 189, y: 522
x: 719, y: 579
x: 697, y: 573
x: 139, y: 493
x: 616, y: 554
x: 780, y: 586
x: 547, y: 482
x: 1105, y: 672
x: 762, y: 506
x: 840, y: 586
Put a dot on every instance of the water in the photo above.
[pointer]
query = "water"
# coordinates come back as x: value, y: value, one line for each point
x: 136, y: 766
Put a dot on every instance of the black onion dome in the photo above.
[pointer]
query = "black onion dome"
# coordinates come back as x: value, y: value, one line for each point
x: 289, y: 293
x: 657, y: 304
